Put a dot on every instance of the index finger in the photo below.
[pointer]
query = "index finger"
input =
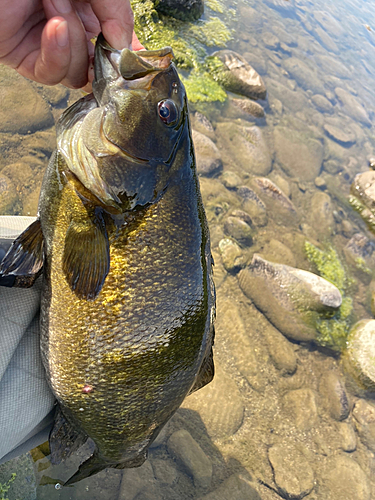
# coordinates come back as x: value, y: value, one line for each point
x: 116, y: 21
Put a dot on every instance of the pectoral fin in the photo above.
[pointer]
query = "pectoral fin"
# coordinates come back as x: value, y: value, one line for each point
x: 25, y: 257
x: 86, y: 255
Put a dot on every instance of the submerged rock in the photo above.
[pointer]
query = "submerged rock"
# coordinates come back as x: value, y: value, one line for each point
x: 307, y: 78
x: 208, y: 157
x: 362, y: 197
x: 185, y: 10
x: 239, y: 230
x: 202, y: 124
x: 346, y: 138
x: 321, y: 214
x: 364, y: 419
x: 249, y: 107
x: 290, y: 298
x: 293, y: 475
x: 253, y: 205
x: 322, y: 104
x: 231, y: 255
x: 358, y: 358
x: 334, y: 395
x: 236, y: 487
x: 230, y: 180
x: 236, y: 75
x: 353, y: 107
x: 301, y: 404
x: 8, y: 195
x: 271, y: 190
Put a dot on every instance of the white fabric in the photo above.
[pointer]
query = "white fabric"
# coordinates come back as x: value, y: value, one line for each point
x: 26, y: 401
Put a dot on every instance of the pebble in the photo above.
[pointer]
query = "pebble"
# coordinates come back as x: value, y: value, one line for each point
x: 364, y: 419
x: 321, y: 103
x: 219, y: 405
x: 236, y: 487
x: 253, y: 205
x: 203, y: 125
x: 271, y: 190
x: 281, y: 351
x: 239, y: 230
x: 301, y: 403
x: 321, y: 214
x: 339, y: 135
x: 349, y: 437
x: 275, y: 251
x: 230, y: 179
x: 343, y: 479
x: 164, y: 471
x: 306, y: 77
x: 187, y: 451
x: 353, y: 107
x: 249, y: 107
x: 231, y: 255
x: 293, y: 475
x: 320, y: 183
x: 334, y: 396
x: 207, y: 155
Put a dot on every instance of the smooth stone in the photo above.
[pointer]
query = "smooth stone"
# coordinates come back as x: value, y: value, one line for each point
x: 219, y: 405
x: 270, y: 40
x: 326, y: 40
x: 299, y: 154
x: 282, y: 183
x: 334, y: 395
x: 22, y: 109
x: 249, y: 107
x: 364, y: 419
x: 271, y: 190
x: 281, y: 6
x: 236, y: 487
x: 284, y: 294
x: 359, y: 251
x: 293, y: 475
x: 320, y: 183
x: 343, y: 479
x: 339, y: 135
x: 230, y: 180
x: 203, y: 125
x: 349, y: 437
x: 275, y: 251
x: 306, y: 77
x: 57, y: 95
x: 253, y: 205
x: 164, y: 471
x: 238, y: 76
x: 322, y: 104
x: 231, y: 255
x: 281, y: 351
x: 332, y: 66
x: 135, y: 480
x: 185, y: 10
x: 321, y: 213
x: 292, y: 100
x: 362, y: 196
x: 8, y: 195
x: 183, y: 447
x: 301, y: 404
x: 329, y: 23
x: 239, y: 230
x: 208, y: 157
x: 247, y: 146
x: 358, y: 358
x: 353, y: 107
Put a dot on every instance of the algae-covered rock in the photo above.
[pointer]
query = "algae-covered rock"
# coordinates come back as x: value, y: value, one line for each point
x: 291, y: 299
x: 362, y: 197
x: 186, y: 10
x: 235, y: 74
x: 358, y: 358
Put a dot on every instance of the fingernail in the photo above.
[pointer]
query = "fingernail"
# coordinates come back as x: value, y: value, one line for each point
x: 62, y: 6
x: 62, y: 35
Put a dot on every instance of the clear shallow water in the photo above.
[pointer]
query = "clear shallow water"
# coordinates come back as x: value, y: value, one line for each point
x: 273, y: 422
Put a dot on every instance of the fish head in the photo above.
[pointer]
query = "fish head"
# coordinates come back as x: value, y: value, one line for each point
x: 144, y: 100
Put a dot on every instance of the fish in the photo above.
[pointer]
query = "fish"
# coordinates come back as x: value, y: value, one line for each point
x: 122, y: 242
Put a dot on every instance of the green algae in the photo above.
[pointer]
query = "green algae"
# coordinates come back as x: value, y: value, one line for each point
x: 5, y: 487
x: 189, y: 41
x: 333, y: 328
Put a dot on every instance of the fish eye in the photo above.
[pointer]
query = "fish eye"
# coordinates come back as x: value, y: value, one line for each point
x: 168, y: 111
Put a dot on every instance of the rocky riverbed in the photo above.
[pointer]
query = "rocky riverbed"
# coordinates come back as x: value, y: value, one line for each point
x: 290, y: 413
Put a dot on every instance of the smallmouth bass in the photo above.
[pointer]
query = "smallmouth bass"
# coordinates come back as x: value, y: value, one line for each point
x: 122, y: 241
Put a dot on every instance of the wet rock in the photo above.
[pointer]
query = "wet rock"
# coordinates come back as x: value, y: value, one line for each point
x: 352, y: 106
x: 275, y: 251
x: 253, y: 205
x: 270, y: 40
x: 247, y: 147
x: 339, y: 135
x: 239, y: 230
x: 329, y: 23
x: 230, y: 180
x: 282, y: 183
x: 281, y: 351
x: 359, y: 251
x: 288, y: 297
x: 332, y: 66
x: 22, y: 109
x: 334, y: 396
x: 306, y: 77
x: 8, y: 195
x: 187, y: 451
x: 231, y: 255
x: 358, y: 357
x: 185, y: 10
x: 208, y: 157
x: 202, y: 124
x: 238, y: 76
x: 362, y: 196
x: 320, y: 183
x: 364, y: 419
x: 301, y: 404
x: 249, y: 107
x: 299, y: 154
x: 136, y: 480
x: 321, y: 214
x: 293, y: 100
x: 164, y: 471
x: 322, y: 104
x: 281, y: 6
x: 343, y: 479
x: 326, y: 40
x: 349, y: 438
x: 293, y: 475
x: 236, y: 487
x: 57, y: 95
x: 271, y: 190
x: 219, y: 405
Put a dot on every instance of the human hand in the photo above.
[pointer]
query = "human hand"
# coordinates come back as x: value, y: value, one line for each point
x: 48, y: 41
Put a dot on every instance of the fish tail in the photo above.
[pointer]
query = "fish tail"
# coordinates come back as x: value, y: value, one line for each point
x: 91, y: 466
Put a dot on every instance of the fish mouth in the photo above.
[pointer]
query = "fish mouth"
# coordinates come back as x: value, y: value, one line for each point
x: 137, y: 69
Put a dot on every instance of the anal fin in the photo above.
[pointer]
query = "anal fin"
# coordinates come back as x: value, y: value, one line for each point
x: 24, y: 259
